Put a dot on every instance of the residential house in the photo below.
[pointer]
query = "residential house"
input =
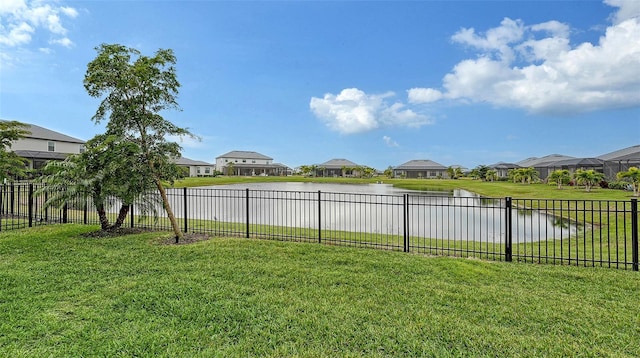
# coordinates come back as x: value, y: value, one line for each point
x: 248, y: 163
x: 196, y: 168
x: 420, y: 168
x: 544, y: 165
x: 338, y: 168
x: 502, y: 169
x: 42, y: 145
x: 620, y: 161
x: 578, y: 164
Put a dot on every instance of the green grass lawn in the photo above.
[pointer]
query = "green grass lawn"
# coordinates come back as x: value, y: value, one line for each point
x: 65, y: 295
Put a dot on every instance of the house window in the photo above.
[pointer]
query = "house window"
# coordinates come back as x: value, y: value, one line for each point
x: 253, y: 161
x: 207, y: 170
x: 226, y: 160
x: 82, y: 149
x: 198, y: 170
x: 244, y: 160
x: 51, y: 146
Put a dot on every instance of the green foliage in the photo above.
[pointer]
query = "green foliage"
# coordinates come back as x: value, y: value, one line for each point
x: 560, y: 177
x: 456, y: 172
x: 479, y: 172
x: 388, y: 172
x: 65, y: 295
x: 588, y: 178
x: 491, y: 175
x: 134, y: 89
x: 108, y: 169
x: 11, y: 165
x: 524, y: 175
x: 632, y: 176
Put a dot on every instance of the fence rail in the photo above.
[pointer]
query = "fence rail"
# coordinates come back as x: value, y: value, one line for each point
x: 600, y: 233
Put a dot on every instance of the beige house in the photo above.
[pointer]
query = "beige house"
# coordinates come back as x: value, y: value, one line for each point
x: 196, y: 168
x: 248, y: 163
x: 42, y: 145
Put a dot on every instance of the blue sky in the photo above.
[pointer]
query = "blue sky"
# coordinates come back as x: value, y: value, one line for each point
x: 379, y: 83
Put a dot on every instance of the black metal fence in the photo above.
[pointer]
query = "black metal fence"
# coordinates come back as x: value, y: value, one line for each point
x: 600, y: 233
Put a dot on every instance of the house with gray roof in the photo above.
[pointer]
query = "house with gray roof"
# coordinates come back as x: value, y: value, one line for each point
x: 502, y: 169
x: 544, y: 165
x: 420, y: 168
x: 196, y: 168
x: 578, y: 164
x: 620, y: 160
x: 338, y: 168
x: 249, y: 163
x: 42, y: 145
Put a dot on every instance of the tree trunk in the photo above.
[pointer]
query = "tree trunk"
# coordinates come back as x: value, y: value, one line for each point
x: 122, y: 214
x: 167, y: 208
x: 102, y: 215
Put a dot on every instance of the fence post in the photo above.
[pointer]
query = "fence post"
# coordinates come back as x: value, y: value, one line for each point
x: 247, y: 212
x: 12, y: 199
x: 508, y: 254
x: 634, y: 233
x: 85, y: 214
x: 131, y: 215
x: 319, y: 218
x: 405, y: 219
x: 65, y: 215
x: 30, y: 205
x: 184, y: 202
x: 2, y: 191
x: 46, y: 208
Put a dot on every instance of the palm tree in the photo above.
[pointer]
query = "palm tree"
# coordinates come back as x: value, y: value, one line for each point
x: 104, y: 172
x: 588, y: 178
x: 632, y: 175
x: 525, y: 175
x: 454, y: 172
x: 388, y: 172
x: 491, y: 175
x: 560, y: 177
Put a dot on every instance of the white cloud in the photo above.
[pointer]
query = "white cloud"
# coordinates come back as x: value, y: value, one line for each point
x: 627, y: 9
x: 63, y: 42
x: 536, y: 68
x: 21, y: 19
x: 390, y: 142
x: 423, y: 95
x: 354, y: 111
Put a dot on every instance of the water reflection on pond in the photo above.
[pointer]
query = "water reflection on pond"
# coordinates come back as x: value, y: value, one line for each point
x: 379, y: 209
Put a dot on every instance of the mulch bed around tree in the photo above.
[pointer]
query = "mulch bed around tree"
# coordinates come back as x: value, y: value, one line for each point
x: 188, y: 238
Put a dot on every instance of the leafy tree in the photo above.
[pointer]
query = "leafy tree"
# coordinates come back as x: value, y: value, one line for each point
x: 588, y: 178
x: 313, y: 169
x: 479, y: 172
x: 633, y: 176
x: 135, y: 89
x: 560, y: 177
x: 230, y: 169
x: 455, y: 172
x: 523, y: 175
x: 491, y: 175
x: 107, y: 170
x: 11, y: 165
x: 366, y: 172
x: 388, y: 172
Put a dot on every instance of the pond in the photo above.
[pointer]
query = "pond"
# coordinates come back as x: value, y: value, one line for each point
x: 373, y: 208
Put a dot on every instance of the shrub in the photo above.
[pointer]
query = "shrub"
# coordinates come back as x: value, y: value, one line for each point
x: 619, y: 185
